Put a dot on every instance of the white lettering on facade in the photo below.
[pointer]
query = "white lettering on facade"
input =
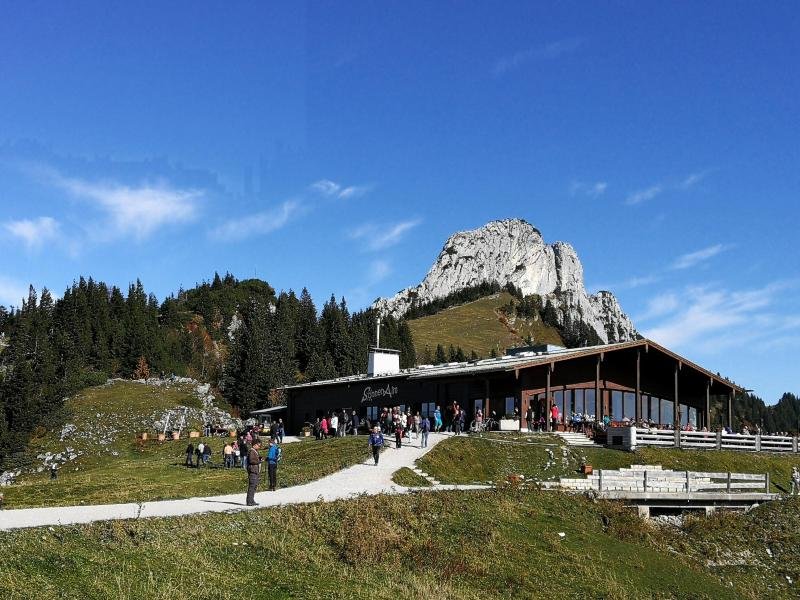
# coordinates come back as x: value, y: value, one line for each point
x: 370, y: 395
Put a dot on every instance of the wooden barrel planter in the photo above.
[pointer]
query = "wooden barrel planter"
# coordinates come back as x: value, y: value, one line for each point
x: 161, y: 437
x: 144, y: 436
x: 194, y: 434
x: 232, y: 433
x: 176, y: 435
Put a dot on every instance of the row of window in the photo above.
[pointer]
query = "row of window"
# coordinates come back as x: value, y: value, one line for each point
x: 623, y: 405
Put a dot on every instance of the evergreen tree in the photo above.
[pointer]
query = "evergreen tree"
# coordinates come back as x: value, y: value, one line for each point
x: 441, y: 357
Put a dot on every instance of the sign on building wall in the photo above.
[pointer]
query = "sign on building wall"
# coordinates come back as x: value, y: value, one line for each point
x: 373, y: 394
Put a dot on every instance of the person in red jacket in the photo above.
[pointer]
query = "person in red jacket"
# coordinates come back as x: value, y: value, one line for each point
x: 324, y: 428
x: 554, y: 416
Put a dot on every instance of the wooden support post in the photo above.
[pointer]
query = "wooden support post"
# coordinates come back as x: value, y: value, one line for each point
x: 730, y: 408
x: 638, y: 410
x: 644, y: 487
x: 729, y: 482
x: 598, y: 403
x: 676, y: 407
x: 549, y: 400
x: 707, y: 420
x: 766, y: 482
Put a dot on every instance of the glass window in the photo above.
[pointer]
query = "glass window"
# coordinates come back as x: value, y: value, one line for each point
x: 510, y: 401
x: 478, y: 405
x: 588, y: 402
x: 372, y: 413
x: 616, y: 405
x: 654, y: 409
x: 667, y: 415
x: 629, y: 405
x: 693, y: 417
x: 579, y: 408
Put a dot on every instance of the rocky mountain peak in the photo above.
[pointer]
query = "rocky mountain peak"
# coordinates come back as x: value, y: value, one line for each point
x: 514, y: 251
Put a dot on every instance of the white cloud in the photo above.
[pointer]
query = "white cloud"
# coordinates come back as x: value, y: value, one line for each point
x: 643, y: 195
x: 260, y: 223
x: 12, y: 293
x: 378, y: 237
x: 658, y: 306
x: 135, y: 210
x: 550, y: 51
x: 331, y: 189
x: 33, y: 232
x: 629, y: 284
x: 592, y: 190
x: 693, y: 179
x: 691, y: 259
x: 710, y: 319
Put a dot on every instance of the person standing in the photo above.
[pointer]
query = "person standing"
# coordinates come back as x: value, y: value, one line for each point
x: 323, y: 427
x: 795, y: 481
x: 273, y: 458
x: 281, y: 431
x: 253, y: 472
x: 189, y: 455
x: 244, y: 450
x: 529, y: 418
x: 437, y: 417
x: 425, y: 429
x: 376, y: 443
x: 398, y: 435
x: 227, y: 451
x: 333, y: 426
x: 354, y: 421
x: 199, y: 452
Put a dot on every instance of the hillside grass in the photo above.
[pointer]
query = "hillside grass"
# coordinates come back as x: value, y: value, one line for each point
x: 407, y: 478
x: 125, y: 469
x: 471, y: 459
x: 501, y: 544
x: 478, y: 326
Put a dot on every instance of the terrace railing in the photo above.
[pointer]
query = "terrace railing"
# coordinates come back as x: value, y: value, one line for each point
x: 638, y: 436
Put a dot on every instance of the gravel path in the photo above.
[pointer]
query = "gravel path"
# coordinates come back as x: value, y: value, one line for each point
x: 364, y: 478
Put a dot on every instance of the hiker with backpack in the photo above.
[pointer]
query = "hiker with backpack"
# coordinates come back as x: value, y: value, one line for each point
x: 376, y: 443
x: 274, y: 456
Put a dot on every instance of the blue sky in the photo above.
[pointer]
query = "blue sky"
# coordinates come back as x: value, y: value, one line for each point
x: 336, y: 146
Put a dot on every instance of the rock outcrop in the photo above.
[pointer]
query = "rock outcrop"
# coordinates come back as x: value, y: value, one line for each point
x: 513, y: 251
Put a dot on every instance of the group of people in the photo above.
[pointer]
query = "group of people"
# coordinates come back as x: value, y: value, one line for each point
x: 336, y: 424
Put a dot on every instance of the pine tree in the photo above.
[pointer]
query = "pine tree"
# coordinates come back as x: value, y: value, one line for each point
x: 441, y: 357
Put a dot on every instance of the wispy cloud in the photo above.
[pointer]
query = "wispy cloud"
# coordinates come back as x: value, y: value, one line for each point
x: 260, y: 223
x: 691, y: 259
x: 378, y: 237
x: 640, y: 196
x: 33, y: 232
x: 710, y: 319
x: 629, y: 284
x: 12, y: 292
x: 592, y: 190
x: 549, y: 51
x: 136, y: 210
x: 331, y: 189
x: 693, y: 179
x: 682, y: 185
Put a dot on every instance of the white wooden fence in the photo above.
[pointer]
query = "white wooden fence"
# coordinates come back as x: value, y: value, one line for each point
x: 637, y: 436
x: 652, y: 479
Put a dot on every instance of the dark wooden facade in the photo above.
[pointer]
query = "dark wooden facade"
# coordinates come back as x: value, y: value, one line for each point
x: 639, y: 380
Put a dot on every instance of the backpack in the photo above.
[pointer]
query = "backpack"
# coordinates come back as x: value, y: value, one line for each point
x: 274, y: 454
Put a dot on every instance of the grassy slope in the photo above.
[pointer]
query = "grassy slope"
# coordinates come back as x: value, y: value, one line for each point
x: 500, y: 544
x: 406, y: 477
x: 477, y: 326
x: 469, y: 459
x: 153, y: 470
